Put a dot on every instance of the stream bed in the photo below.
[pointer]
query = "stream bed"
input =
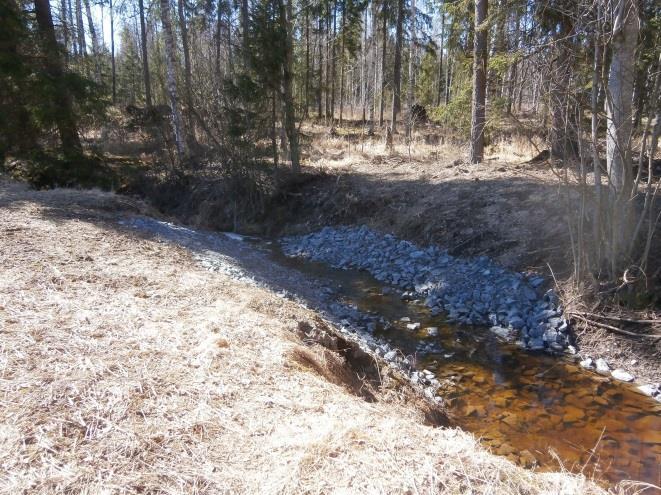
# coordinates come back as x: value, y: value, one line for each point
x: 538, y: 410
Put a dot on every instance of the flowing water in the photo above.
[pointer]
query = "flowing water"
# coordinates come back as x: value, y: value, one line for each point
x: 539, y: 411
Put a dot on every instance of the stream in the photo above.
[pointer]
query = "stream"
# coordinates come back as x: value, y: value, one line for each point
x: 538, y: 410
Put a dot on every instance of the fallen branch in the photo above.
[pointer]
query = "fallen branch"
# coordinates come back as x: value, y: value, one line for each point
x: 614, y: 329
x: 627, y: 320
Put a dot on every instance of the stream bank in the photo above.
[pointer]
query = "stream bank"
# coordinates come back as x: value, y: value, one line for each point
x: 536, y: 409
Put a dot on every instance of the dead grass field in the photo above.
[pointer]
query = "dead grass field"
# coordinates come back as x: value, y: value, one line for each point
x: 127, y: 368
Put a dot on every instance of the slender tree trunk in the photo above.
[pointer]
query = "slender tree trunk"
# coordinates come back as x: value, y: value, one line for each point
x: 285, y: 19
x: 307, y: 62
x: 364, y: 77
x: 333, y: 62
x: 145, y: 58
x: 478, y: 113
x: 373, y: 67
x: 80, y: 29
x: 188, y: 85
x: 449, y: 64
x: 329, y: 55
x: 230, y: 52
x: 244, y: 32
x: 95, y: 42
x: 65, y: 29
x: 321, y: 68
x: 274, y: 132
x: 561, y: 136
x: 594, y: 126
x: 72, y: 27
x: 112, y: 53
x: 618, y: 135
x: 384, y: 45
x: 441, y: 76
x: 397, y: 74
x: 170, y: 64
x: 344, y: 16
x: 54, y: 67
x: 410, y: 96
x: 511, y: 79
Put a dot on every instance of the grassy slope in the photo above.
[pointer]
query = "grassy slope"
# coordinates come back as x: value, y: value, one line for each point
x: 125, y: 367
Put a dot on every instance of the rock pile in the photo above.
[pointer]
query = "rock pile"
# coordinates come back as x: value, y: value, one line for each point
x: 470, y: 291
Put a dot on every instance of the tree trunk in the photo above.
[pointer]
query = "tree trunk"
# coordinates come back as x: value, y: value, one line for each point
x: 384, y: 46
x: 329, y: 55
x: 511, y: 79
x: 321, y: 68
x: 244, y: 31
x: 594, y: 127
x: 618, y: 135
x: 188, y: 85
x: 170, y: 65
x: 95, y: 42
x: 80, y: 29
x: 72, y: 27
x: 397, y: 73
x: 112, y: 54
x: 561, y: 136
x: 441, y: 78
x: 145, y: 58
x: 410, y: 96
x: 333, y: 64
x: 307, y: 62
x: 344, y: 16
x: 65, y: 28
x: 478, y: 111
x: 285, y: 19
x: 54, y: 67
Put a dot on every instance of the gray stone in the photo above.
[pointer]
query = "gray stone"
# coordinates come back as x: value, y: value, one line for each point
x: 586, y: 363
x: 602, y: 366
x: 650, y: 390
x: 623, y: 376
x: 501, y: 332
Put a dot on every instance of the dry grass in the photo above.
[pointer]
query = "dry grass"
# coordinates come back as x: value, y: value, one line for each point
x: 126, y: 368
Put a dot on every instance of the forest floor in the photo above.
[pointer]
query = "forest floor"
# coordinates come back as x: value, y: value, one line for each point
x: 127, y: 367
x: 508, y: 208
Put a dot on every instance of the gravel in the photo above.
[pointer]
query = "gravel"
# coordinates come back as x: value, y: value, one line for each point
x: 470, y: 291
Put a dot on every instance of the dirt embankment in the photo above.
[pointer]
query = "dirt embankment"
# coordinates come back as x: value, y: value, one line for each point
x: 506, y: 208
x: 126, y: 367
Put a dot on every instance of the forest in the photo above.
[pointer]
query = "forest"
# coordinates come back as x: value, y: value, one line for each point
x: 494, y: 162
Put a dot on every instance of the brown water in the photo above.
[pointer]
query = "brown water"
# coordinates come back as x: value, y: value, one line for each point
x: 539, y: 411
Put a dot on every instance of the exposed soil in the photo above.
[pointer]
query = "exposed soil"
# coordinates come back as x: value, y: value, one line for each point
x: 126, y: 366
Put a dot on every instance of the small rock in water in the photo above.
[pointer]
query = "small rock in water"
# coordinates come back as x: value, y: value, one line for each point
x: 620, y: 374
x: 602, y: 366
x: 501, y: 332
x: 413, y: 326
x: 432, y: 331
x: 650, y: 390
x: 586, y: 363
x: 406, y: 318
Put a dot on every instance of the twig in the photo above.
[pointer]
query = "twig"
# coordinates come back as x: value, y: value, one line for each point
x: 614, y: 329
x: 627, y: 320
